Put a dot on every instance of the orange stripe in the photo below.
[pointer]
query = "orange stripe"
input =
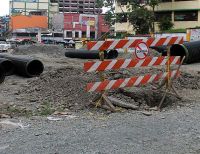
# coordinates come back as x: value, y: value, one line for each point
x: 160, y: 42
x: 150, y: 41
x: 117, y: 83
x: 159, y: 61
x: 121, y: 44
x: 103, y: 85
x: 119, y: 63
x: 145, y: 79
x: 133, y: 45
x: 90, y: 45
x: 88, y: 65
x: 147, y: 61
x: 131, y: 81
x: 172, y: 41
x: 105, y: 45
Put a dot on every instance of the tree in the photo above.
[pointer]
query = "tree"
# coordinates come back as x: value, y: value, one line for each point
x: 141, y: 19
x: 139, y: 16
x: 110, y: 14
x: 165, y: 24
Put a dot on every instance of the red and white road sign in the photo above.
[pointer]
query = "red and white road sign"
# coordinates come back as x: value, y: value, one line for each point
x: 141, y: 50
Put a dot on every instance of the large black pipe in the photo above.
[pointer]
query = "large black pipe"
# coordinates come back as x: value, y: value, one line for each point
x: 25, y: 66
x: 92, y: 54
x: 2, y: 75
x: 7, y: 65
x: 191, y: 51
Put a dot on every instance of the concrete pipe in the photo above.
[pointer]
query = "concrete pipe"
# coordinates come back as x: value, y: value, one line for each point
x: 24, y: 66
x: 7, y: 65
x: 191, y: 51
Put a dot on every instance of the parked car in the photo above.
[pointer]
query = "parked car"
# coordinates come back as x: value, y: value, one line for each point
x: 4, y: 46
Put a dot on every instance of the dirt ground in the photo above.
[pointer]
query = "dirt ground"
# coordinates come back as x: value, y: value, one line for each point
x: 61, y: 88
x: 62, y: 85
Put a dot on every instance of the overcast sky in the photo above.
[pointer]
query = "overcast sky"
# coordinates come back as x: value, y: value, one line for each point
x: 4, y: 7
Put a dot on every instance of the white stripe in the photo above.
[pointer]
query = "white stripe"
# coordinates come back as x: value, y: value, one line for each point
x: 152, y: 78
x: 124, y: 83
x: 164, y: 75
x: 153, y: 61
x: 112, y: 46
x: 140, y: 63
x: 127, y: 45
x: 97, y: 45
x: 126, y: 63
x: 155, y: 42
x: 178, y: 40
x: 110, y: 66
x: 164, y: 61
x: 95, y: 86
x: 139, y: 79
x: 173, y: 73
x: 94, y: 66
x: 110, y: 84
x: 167, y: 40
x: 175, y: 60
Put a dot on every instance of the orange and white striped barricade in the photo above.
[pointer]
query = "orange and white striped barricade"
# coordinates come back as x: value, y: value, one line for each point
x: 104, y: 65
x: 125, y: 44
x: 103, y: 85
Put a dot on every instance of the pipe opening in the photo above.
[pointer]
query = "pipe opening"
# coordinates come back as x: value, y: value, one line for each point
x: 35, y: 68
x: 112, y: 54
x: 8, y: 67
x: 178, y: 50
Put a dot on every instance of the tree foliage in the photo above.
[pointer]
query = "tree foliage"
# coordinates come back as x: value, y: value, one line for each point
x: 165, y: 24
x: 141, y: 19
x: 139, y: 16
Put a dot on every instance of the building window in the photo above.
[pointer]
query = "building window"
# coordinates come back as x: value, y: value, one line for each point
x: 92, y: 35
x: 186, y: 16
x: 69, y: 34
x: 165, y: 14
x: 76, y: 34
x: 83, y: 34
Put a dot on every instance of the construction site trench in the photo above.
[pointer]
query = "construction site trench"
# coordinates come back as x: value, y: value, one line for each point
x: 62, y: 86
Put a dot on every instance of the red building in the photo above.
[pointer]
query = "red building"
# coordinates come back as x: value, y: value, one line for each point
x: 78, y: 26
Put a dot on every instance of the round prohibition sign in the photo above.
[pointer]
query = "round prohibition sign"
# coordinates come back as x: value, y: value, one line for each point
x: 141, y: 50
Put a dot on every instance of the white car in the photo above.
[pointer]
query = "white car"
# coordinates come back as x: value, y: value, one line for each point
x: 4, y: 46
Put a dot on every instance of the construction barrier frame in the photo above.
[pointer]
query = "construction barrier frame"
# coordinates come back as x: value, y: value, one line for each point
x: 100, y: 66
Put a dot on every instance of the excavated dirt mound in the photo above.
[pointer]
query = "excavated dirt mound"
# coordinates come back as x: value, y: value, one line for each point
x: 50, y: 50
x: 62, y: 88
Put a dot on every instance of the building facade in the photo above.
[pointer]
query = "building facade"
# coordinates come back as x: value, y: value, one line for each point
x: 79, y: 6
x: 4, y: 25
x: 183, y: 13
x: 78, y: 26
x: 34, y: 7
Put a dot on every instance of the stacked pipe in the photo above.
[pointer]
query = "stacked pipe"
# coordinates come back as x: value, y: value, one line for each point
x: 20, y: 65
x: 92, y: 54
x: 191, y: 51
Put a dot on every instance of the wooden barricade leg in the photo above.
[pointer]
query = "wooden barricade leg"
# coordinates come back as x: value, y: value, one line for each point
x: 102, y: 100
x: 169, y: 81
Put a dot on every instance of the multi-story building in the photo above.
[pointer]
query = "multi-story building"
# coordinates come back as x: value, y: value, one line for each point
x: 4, y: 25
x: 77, y: 26
x: 79, y: 6
x: 183, y: 13
x: 34, y: 7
